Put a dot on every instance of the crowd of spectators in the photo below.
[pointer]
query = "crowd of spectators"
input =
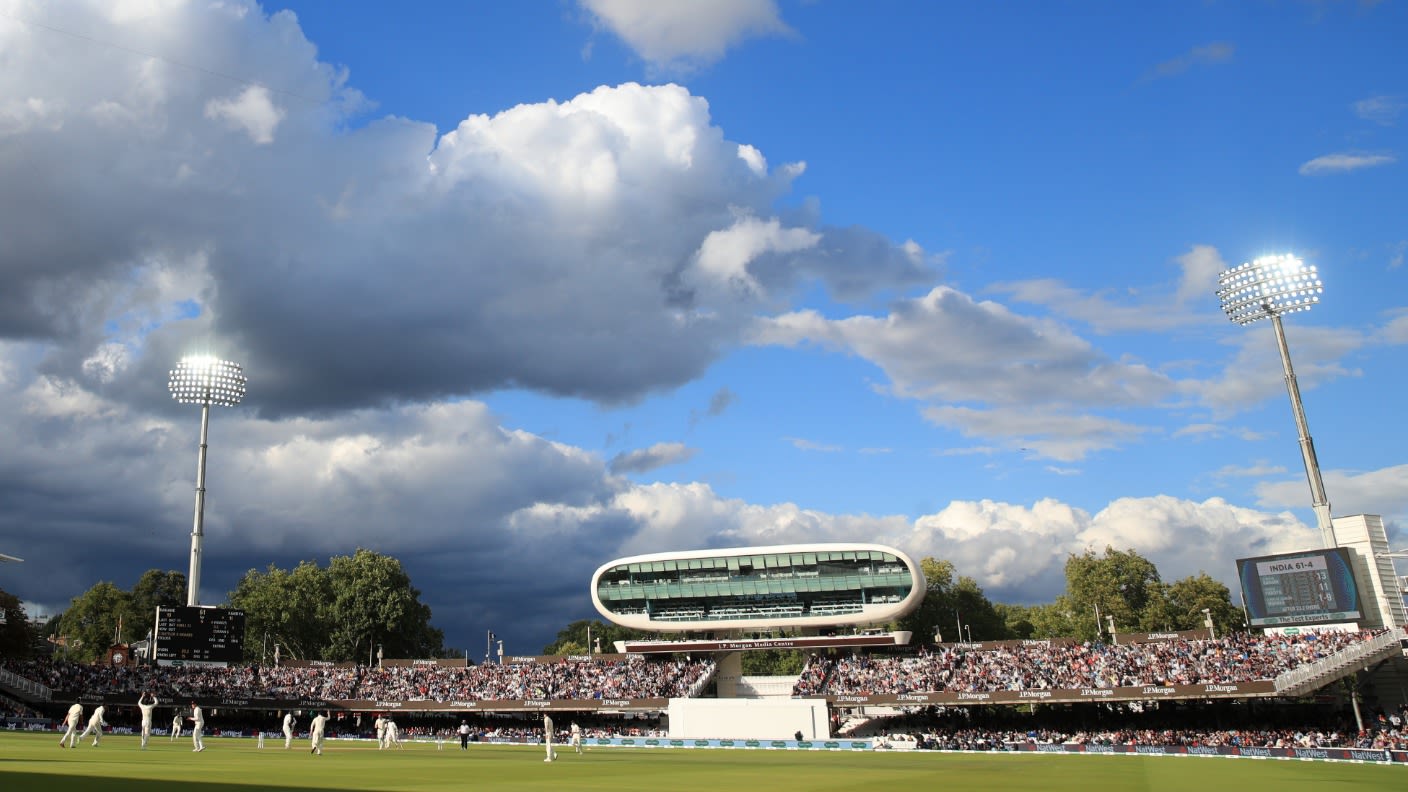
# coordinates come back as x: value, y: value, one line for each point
x: 1230, y: 659
x: 1233, y: 658
x: 1288, y: 725
x: 598, y: 679
x: 987, y: 740
x: 636, y: 678
x: 10, y: 708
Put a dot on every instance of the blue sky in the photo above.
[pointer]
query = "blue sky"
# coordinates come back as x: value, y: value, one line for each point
x: 565, y: 281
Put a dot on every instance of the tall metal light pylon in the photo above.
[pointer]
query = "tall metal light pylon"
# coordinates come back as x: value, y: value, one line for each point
x: 207, y: 381
x: 1267, y: 288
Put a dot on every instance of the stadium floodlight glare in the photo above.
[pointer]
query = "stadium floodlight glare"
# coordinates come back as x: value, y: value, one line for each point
x: 204, y: 380
x: 1266, y: 288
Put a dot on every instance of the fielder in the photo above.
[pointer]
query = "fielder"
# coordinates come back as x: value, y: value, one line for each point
x: 146, y: 709
x: 315, y: 733
x: 74, y: 717
x: 95, y: 725
x: 380, y: 732
x: 176, y: 722
x: 547, y: 738
x: 288, y: 729
x: 197, y: 727
x: 393, y: 734
x: 576, y: 737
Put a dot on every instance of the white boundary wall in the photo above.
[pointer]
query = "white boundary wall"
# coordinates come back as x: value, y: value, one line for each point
x: 742, y: 719
x: 765, y: 686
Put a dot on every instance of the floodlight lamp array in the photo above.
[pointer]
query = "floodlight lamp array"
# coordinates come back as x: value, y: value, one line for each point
x: 207, y: 380
x: 1266, y: 287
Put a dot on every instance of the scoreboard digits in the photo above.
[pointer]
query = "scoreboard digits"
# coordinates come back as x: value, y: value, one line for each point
x: 1300, y: 585
x: 193, y: 635
x: 1315, y: 587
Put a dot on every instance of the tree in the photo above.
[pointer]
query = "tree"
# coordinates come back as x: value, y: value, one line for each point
x: 90, y: 623
x: 981, y: 621
x: 949, y: 602
x: 773, y: 662
x: 374, y: 605
x: 1017, y: 619
x: 935, y: 613
x: 16, y: 635
x: 345, y: 612
x: 287, y: 608
x: 1187, y: 598
x: 1053, y: 620
x: 572, y: 639
x: 154, y: 589
x: 1122, y: 584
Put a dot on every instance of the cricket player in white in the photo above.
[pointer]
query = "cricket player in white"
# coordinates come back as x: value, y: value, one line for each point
x: 146, y: 709
x: 75, y: 717
x: 176, y: 722
x: 315, y: 732
x: 95, y: 725
x: 197, y: 727
x: 393, y: 734
x: 576, y: 737
x: 547, y: 738
x: 288, y: 729
x: 380, y: 732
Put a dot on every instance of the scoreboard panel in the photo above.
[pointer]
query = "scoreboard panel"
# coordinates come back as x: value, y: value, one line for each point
x: 1304, y: 588
x: 195, y: 635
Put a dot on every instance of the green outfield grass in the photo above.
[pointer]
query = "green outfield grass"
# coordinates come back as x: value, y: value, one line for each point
x: 34, y: 761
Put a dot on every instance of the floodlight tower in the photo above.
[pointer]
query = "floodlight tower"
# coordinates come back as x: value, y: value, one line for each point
x: 1266, y: 288
x: 204, y: 380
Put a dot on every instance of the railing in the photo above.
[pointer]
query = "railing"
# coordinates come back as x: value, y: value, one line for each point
x: 25, y: 686
x: 702, y: 682
x: 835, y: 608
x: 1317, y: 674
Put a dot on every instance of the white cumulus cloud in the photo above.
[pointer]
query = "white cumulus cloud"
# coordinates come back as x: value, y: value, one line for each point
x: 1345, y: 162
x: 684, y: 34
x: 253, y: 111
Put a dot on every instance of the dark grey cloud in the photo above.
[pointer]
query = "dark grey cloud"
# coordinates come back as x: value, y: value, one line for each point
x: 644, y: 460
x: 472, y: 510
x: 370, y: 274
x: 500, y: 529
x: 209, y: 186
x: 189, y: 178
x: 722, y: 399
x: 719, y: 403
x: 355, y: 264
x: 947, y: 347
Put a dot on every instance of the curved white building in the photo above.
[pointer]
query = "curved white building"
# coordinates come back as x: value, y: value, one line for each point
x: 802, y: 586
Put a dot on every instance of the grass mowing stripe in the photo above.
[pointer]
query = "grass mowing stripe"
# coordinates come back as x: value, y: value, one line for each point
x: 34, y: 761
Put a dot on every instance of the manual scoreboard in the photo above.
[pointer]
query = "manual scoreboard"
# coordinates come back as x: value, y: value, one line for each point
x: 194, y: 635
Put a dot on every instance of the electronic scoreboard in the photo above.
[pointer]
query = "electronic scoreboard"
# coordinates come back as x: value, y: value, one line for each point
x: 194, y: 635
x: 1309, y: 587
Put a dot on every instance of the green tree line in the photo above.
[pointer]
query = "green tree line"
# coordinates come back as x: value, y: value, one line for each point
x: 1118, y: 587
x: 344, y: 611
x: 358, y: 603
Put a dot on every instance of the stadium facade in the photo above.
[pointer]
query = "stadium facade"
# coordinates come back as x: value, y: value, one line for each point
x: 799, y: 587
